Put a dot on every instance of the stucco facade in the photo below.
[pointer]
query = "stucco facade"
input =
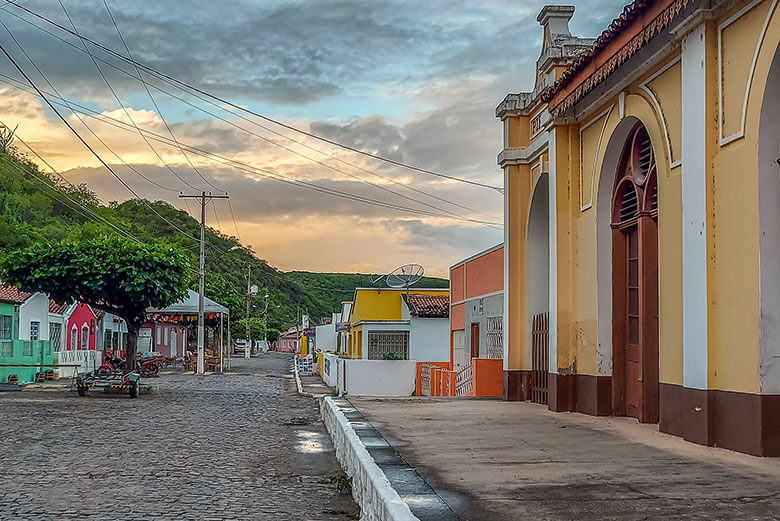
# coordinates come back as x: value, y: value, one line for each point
x: 379, y: 314
x: 648, y: 205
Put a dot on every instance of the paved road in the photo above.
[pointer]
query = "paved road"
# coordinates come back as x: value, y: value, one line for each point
x: 242, y: 446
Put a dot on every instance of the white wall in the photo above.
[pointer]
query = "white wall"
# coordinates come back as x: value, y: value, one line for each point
x: 429, y: 339
x: 35, y: 308
x: 326, y: 339
x: 330, y: 370
x: 377, y: 377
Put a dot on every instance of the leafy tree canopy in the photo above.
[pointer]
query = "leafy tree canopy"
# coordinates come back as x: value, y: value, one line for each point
x: 109, y: 273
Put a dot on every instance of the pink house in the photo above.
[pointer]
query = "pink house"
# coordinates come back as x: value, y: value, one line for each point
x: 167, y: 338
x: 82, y: 327
x: 287, y: 343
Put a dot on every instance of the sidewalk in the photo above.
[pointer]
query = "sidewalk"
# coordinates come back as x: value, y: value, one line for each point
x: 519, y: 461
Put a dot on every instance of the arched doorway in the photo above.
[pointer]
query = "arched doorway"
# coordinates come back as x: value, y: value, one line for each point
x: 634, y: 223
x: 538, y: 289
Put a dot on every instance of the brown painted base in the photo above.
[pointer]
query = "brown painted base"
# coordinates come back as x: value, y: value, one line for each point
x: 580, y: 393
x: 517, y: 386
x: 743, y: 422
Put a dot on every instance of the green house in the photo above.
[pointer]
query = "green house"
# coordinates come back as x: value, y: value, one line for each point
x: 23, y: 358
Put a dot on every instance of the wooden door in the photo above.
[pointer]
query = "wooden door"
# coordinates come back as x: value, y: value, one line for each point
x: 474, y: 340
x: 633, y: 349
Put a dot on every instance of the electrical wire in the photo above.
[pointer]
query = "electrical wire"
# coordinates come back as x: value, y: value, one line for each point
x: 240, y: 165
x: 157, y: 108
x: 330, y: 191
x: 119, y: 102
x: 87, y: 145
x: 75, y: 113
x: 185, y: 85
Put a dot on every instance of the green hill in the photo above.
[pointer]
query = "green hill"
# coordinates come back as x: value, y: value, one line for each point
x: 34, y: 207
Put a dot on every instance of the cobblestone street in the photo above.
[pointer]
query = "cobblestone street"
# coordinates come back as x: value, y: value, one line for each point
x: 239, y: 446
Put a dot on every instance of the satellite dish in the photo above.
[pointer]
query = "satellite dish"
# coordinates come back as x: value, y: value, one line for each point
x: 405, y: 276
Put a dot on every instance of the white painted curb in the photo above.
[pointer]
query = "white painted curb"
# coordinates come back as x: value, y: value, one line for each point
x: 298, y: 380
x: 371, y: 489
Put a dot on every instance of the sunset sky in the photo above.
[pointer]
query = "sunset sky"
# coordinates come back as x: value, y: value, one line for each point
x: 416, y: 81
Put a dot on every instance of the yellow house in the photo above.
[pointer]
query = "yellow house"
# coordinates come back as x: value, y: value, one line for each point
x: 381, y: 322
x: 643, y: 221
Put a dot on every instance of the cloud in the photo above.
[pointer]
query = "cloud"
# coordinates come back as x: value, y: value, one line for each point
x: 414, y: 81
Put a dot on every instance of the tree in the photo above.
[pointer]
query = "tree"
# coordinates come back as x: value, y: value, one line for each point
x: 273, y: 335
x: 108, y: 273
x: 256, y: 328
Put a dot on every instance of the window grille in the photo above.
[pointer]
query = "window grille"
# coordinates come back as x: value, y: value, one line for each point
x: 35, y: 330
x: 7, y: 348
x: 382, y: 343
x: 55, y: 335
x: 6, y: 323
x: 495, y: 337
x: 85, y: 337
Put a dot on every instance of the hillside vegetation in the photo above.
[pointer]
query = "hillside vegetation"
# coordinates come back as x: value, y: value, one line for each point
x: 34, y: 207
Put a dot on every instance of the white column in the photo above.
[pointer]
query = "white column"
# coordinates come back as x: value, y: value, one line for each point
x: 694, y: 209
x: 553, y: 245
x: 506, y: 265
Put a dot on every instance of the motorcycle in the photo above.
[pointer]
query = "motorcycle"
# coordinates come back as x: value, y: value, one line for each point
x: 114, y: 365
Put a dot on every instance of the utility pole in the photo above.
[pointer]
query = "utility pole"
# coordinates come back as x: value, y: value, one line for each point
x: 203, y: 198
x: 248, y: 347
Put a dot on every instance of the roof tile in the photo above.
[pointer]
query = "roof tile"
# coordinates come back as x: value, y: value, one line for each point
x: 13, y: 294
x: 428, y: 306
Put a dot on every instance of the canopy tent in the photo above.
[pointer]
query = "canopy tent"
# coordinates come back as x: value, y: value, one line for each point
x: 185, y: 312
x: 190, y: 305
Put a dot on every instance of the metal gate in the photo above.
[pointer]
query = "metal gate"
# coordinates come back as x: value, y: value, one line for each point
x: 425, y: 379
x: 540, y: 357
x: 463, y: 383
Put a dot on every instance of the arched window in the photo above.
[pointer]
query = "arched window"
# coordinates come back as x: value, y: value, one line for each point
x: 636, y: 185
x: 74, y: 338
x: 84, y: 337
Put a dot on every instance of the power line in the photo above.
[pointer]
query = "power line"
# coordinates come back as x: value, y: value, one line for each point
x: 330, y: 191
x: 240, y: 165
x: 87, y: 145
x: 233, y: 216
x: 157, y: 108
x: 68, y: 105
x: 185, y: 85
x: 116, y: 97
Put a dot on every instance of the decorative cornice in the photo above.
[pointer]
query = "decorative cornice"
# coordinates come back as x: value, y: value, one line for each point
x: 618, y: 26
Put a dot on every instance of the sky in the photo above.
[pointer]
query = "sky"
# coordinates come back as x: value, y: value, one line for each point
x: 414, y: 81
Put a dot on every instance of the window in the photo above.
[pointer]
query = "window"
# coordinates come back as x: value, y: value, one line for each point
x: 84, y: 337
x: 55, y: 335
x: 74, y: 338
x: 167, y: 335
x: 35, y: 330
x: 6, y: 323
x: 27, y: 349
x: 7, y: 348
x: 159, y: 334
x: 382, y: 343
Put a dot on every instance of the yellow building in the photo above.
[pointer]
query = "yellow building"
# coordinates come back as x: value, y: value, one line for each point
x: 384, y: 321
x: 643, y: 221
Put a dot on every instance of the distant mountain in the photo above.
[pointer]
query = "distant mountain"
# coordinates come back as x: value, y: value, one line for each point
x: 35, y: 207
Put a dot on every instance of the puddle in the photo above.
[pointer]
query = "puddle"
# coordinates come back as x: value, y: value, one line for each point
x: 311, y: 442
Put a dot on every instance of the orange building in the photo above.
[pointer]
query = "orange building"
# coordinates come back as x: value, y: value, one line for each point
x: 477, y: 320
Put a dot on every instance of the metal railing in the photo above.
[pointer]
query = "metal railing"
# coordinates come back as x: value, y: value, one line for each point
x: 463, y: 381
x: 425, y: 379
